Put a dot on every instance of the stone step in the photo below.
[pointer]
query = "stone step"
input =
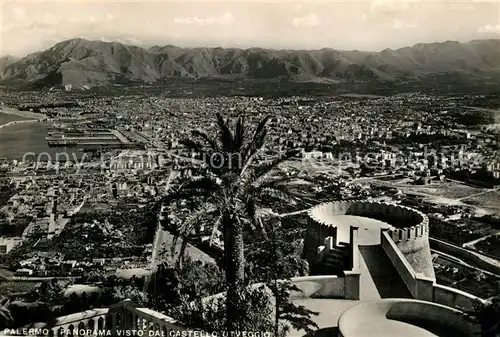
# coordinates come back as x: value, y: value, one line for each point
x: 334, y: 257
x: 336, y: 252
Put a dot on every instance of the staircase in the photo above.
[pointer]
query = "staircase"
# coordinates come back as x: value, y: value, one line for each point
x: 332, y: 259
x: 380, y: 271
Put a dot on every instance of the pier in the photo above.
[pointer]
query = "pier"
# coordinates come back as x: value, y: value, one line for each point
x: 120, y: 136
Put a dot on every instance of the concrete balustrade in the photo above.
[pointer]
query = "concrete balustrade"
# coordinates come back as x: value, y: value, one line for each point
x: 113, y: 321
x: 89, y: 320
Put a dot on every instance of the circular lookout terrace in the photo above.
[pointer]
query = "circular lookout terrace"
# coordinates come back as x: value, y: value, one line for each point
x: 407, y: 227
x: 369, y: 217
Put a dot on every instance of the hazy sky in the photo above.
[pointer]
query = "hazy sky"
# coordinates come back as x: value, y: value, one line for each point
x: 28, y: 26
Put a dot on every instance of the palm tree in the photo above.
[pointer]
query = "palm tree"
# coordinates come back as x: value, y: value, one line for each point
x: 4, y: 275
x: 5, y: 316
x: 229, y: 183
x: 487, y: 316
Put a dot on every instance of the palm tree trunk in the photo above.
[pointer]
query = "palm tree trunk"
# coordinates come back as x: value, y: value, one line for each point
x: 234, y: 264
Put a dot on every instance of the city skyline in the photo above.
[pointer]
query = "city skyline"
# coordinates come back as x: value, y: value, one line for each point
x: 369, y: 25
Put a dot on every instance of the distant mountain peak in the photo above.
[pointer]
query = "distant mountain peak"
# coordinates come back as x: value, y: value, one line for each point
x: 80, y: 62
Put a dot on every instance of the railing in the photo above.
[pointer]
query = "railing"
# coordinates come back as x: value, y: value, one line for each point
x: 90, y: 320
x: 117, y: 320
x: 126, y: 316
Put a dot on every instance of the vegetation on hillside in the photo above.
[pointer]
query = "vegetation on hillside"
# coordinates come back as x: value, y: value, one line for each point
x: 487, y: 316
x: 230, y: 182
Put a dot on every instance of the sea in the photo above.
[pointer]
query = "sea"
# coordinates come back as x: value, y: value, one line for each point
x: 27, y: 140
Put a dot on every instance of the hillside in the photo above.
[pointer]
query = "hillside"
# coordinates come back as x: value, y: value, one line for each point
x: 6, y: 61
x: 81, y: 63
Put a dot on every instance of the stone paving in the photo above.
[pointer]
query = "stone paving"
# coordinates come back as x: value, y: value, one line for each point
x: 329, y: 313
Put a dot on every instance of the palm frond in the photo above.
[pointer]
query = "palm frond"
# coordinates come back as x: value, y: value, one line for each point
x: 196, y: 190
x: 202, y: 135
x: 190, y: 226
x: 200, y: 184
x: 225, y: 134
x: 6, y: 317
x: 255, y: 145
x: 265, y: 167
x: 239, y: 134
x: 194, y: 222
x: 215, y: 229
x: 257, y: 140
x: 261, y: 126
x: 278, y: 195
x: 191, y: 144
x: 252, y: 214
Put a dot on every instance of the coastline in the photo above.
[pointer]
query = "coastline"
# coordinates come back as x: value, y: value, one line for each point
x: 24, y: 114
x: 18, y: 122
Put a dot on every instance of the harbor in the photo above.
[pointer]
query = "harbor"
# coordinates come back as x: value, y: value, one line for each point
x: 91, y: 139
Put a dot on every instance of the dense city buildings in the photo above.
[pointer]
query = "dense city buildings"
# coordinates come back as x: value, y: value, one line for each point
x: 82, y: 195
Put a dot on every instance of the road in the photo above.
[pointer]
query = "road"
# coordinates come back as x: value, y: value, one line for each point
x: 157, y: 241
x: 494, y: 190
x: 160, y: 235
x: 483, y: 109
x: 375, y: 177
x: 35, y: 278
x: 473, y: 242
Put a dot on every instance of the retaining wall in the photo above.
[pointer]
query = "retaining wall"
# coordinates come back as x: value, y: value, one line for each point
x: 419, y: 286
x: 422, y: 287
x: 323, y: 286
x: 465, y: 255
x: 413, y: 242
x: 454, y: 298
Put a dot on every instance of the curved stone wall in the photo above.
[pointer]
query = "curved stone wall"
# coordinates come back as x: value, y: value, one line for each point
x: 403, y: 317
x: 316, y: 234
x: 396, y: 215
x: 409, y: 229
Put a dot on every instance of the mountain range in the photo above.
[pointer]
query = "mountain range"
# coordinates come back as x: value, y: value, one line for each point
x: 82, y: 63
